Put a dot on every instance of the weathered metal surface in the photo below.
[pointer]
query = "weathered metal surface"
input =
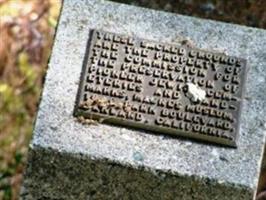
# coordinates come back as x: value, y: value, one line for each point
x: 145, y: 84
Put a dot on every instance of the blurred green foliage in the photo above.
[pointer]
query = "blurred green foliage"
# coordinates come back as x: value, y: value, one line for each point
x: 26, y: 35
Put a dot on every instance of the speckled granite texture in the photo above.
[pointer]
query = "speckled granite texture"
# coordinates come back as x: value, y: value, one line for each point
x: 68, y: 160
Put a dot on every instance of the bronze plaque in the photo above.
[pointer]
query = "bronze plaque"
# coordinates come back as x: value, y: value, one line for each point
x: 167, y: 88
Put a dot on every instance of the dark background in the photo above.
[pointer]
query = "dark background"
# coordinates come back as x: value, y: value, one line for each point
x: 245, y: 12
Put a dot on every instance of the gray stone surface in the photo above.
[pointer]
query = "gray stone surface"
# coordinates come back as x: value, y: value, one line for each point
x: 71, y: 161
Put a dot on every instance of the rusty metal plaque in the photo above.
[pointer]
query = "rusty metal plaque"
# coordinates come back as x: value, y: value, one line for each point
x: 166, y: 88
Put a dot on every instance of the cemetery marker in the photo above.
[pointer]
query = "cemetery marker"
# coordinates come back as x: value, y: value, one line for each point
x: 68, y: 160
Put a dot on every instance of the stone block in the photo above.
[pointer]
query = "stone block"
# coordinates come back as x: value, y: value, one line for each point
x: 68, y: 160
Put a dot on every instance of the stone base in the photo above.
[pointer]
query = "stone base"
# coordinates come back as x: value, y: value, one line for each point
x: 57, y: 175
